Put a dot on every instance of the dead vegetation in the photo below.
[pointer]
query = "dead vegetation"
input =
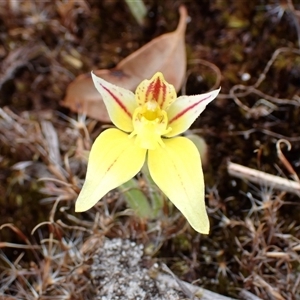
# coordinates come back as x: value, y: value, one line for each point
x: 252, y: 50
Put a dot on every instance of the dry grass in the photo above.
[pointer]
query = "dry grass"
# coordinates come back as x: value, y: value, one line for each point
x: 47, y: 249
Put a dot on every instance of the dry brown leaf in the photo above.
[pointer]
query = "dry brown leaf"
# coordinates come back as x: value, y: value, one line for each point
x: 165, y: 53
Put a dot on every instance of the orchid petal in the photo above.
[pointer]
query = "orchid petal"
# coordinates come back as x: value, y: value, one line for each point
x: 120, y: 103
x: 186, y: 109
x: 113, y: 160
x: 156, y: 89
x: 176, y: 169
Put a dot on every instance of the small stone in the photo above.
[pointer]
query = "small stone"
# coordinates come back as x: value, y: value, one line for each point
x: 118, y: 274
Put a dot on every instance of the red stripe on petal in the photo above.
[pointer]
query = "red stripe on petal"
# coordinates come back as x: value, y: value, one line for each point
x: 156, y: 91
x: 119, y: 102
x: 113, y: 163
x: 163, y: 88
x: 149, y: 91
x: 180, y: 114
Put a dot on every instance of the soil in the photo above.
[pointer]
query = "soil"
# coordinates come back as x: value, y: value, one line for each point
x: 255, y: 229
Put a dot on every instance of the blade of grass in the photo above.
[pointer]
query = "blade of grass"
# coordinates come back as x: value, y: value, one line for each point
x: 137, y: 9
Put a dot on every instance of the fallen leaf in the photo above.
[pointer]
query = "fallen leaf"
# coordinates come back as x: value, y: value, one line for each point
x: 165, y: 53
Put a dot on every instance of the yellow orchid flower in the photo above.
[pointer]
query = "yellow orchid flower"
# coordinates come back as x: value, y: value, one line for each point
x: 148, y: 124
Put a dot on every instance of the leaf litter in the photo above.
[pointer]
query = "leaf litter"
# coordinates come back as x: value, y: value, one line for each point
x: 254, y: 243
x: 165, y: 53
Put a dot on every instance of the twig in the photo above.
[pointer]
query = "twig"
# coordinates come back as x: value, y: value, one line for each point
x: 264, y: 178
x: 283, y: 159
x: 246, y: 134
x: 266, y: 105
x: 245, y: 295
x: 185, y: 289
x: 196, y: 291
x: 210, y: 65
x: 51, y: 141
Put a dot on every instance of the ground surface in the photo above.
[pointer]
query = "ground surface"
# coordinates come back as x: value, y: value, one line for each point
x: 255, y: 236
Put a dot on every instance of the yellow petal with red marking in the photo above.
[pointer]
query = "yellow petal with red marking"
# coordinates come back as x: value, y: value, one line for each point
x: 113, y: 160
x: 120, y: 103
x: 176, y: 169
x: 186, y: 109
x: 156, y: 89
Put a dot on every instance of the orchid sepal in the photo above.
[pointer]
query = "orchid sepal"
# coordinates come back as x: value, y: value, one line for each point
x: 177, y: 171
x: 186, y: 109
x: 119, y: 102
x: 113, y: 160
